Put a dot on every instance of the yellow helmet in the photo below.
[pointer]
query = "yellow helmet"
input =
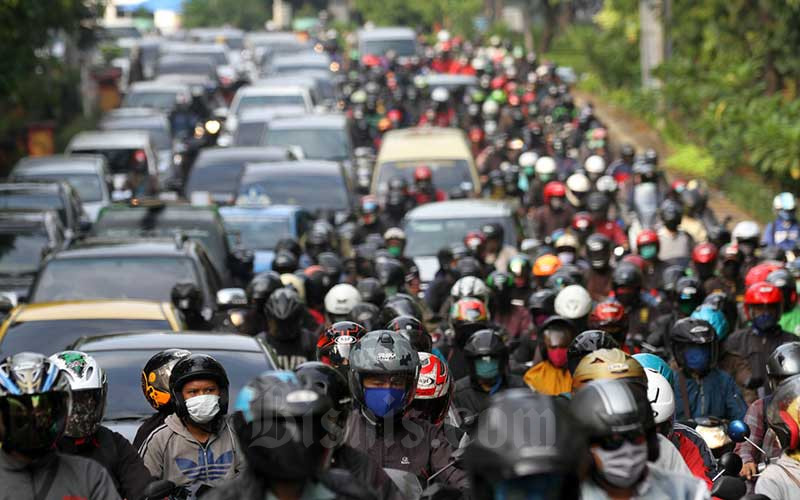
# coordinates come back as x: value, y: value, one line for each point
x: 606, y: 364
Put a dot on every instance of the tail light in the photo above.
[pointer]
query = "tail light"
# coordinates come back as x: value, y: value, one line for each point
x: 139, y: 156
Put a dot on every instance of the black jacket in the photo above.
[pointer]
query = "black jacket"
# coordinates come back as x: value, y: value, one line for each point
x: 290, y: 353
x: 365, y: 471
x: 471, y: 400
x: 153, y: 422
x: 340, y: 482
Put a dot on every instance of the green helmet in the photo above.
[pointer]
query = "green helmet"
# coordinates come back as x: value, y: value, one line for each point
x: 498, y: 96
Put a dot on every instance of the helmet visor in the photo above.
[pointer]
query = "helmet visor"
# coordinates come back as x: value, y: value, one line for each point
x: 33, y: 422
x: 86, y: 414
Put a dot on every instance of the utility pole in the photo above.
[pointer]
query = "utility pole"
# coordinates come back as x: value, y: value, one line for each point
x: 651, y: 43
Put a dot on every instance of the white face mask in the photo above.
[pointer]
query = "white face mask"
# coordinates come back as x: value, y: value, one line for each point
x: 624, y: 466
x: 203, y: 409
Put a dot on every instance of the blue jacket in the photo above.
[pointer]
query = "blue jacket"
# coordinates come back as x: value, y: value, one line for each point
x: 715, y: 395
x: 781, y: 233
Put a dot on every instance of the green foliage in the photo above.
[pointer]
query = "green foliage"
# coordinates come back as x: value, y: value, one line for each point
x: 693, y: 161
x: 245, y: 14
x: 454, y: 15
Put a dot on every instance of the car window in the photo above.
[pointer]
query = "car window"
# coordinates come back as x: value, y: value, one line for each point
x: 215, y: 177
x: 257, y: 233
x: 21, y: 252
x: 113, y: 278
x: 33, y: 200
x: 249, y: 134
x: 447, y: 174
x: 57, y: 335
x: 88, y: 186
x: 321, y: 144
x: 405, y: 47
x: 266, y: 101
x: 427, y: 237
x: 289, y: 188
x: 157, y: 100
x: 120, y: 161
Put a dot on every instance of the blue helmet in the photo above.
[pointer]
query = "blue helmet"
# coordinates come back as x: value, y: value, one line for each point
x: 715, y: 317
x: 657, y: 364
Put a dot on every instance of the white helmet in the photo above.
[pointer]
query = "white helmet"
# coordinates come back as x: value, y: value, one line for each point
x: 478, y: 63
x: 341, y: 299
x: 746, y: 230
x: 394, y: 233
x: 545, y: 166
x: 578, y: 183
x: 528, y: 159
x: 784, y: 201
x: 606, y: 184
x: 567, y: 240
x: 573, y: 302
x: 490, y: 108
x: 294, y: 281
x: 470, y: 286
x: 595, y: 164
x: 443, y: 36
x: 661, y: 396
x: 89, y: 387
x: 440, y: 94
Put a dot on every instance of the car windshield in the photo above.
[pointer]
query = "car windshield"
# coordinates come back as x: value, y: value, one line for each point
x: 160, y: 135
x: 157, y: 100
x: 145, y: 278
x: 266, y: 101
x: 202, y: 68
x: 20, y: 252
x: 291, y: 67
x: 447, y: 174
x: 249, y: 134
x: 124, y: 370
x: 57, y: 335
x: 313, y: 192
x: 88, y: 185
x: 321, y: 144
x: 257, y: 233
x: 120, y: 161
x: 222, y: 178
x: 20, y: 199
x: 402, y: 47
x: 427, y: 237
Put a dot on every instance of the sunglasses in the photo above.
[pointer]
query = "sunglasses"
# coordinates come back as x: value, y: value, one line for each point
x: 615, y: 441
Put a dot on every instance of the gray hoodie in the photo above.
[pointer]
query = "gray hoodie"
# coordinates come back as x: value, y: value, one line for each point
x: 171, y: 452
x: 68, y: 476
x: 780, y: 480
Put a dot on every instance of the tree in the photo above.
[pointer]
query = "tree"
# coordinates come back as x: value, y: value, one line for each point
x: 244, y: 14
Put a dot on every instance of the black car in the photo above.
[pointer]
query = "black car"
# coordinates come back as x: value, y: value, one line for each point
x: 25, y: 239
x: 58, y: 196
x: 122, y: 356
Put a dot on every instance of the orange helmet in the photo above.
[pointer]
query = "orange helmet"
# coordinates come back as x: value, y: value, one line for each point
x: 546, y: 265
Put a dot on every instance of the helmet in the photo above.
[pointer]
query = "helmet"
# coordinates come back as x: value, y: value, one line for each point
x: 661, y: 396
x: 563, y: 278
x: 656, y: 364
x: 762, y: 292
x: 35, y: 402
x: 332, y: 384
x: 499, y: 464
x: 598, y: 250
x: 705, y: 253
x: 490, y: 108
x: 783, y: 362
x: 586, y: 342
x: 784, y: 201
x: 553, y: 188
x: 423, y: 173
x: 414, y: 331
x: 331, y: 265
x: 294, y: 283
x: 688, y: 332
x: 745, y: 230
x: 468, y: 266
x: 195, y: 367
x: 646, y: 237
x: 546, y: 265
x: 440, y: 95
x: 606, y: 185
x: 261, y: 287
x: 434, y: 388
x: 784, y: 280
x: 715, y: 318
x: 626, y: 275
x: 493, y: 231
x: 319, y: 238
x: 467, y: 315
x: 89, y: 388
x: 606, y: 364
x: 610, y: 317
x: 371, y: 291
x: 542, y: 303
x: 670, y: 277
x: 597, y: 202
x: 578, y: 183
x: 689, y: 294
x: 155, y: 379
x: 783, y: 413
x: 573, y: 302
x: 382, y: 353
x: 341, y: 299
x: 391, y: 274
x: 394, y: 233
x: 400, y: 304
x: 651, y: 156
x: 671, y: 213
x: 284, y: 262
x: 760, y: 272
x: 545, y: 168
x: 486, y: 347
x: 284, y: 308
x: 595, y: 165
x: 528, y: 159
x: 336, y: 342
x: 366, y: 314
x: 186, y: 297
x: 520, y: 268
x: 272, y: 411
x: 730, y: 251
x: 567, y: 240
x: 500, y: 283
x: 470, y: 286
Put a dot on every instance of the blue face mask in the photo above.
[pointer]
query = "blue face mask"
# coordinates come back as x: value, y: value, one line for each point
x: 383, y: 401
x: 697, y: 357
x: 487, y: 369
x: 648, y: 251
x: 765, y: 322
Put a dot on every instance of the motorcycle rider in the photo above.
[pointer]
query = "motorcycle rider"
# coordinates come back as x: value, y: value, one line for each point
x: 35, y: 401
x: 369, y: 220
x: 597, y: 204
x: 336, y: 342
x: 647, y: 246
x: 610, y: 317
x: 587, y: 342
x: 292, y: 342
x: 496, y: 252
x: 398, y: 202
x: 598, y: 253
x: 674, y: 243
x: 790, y: 319
x: 551, y: 375
x: 85, y: 437
x: 784, y: 231
x: 554, y: 214
x: 424, y: 190
x: 781, y: 479
x: 746, y: 236
x: 514, y: 318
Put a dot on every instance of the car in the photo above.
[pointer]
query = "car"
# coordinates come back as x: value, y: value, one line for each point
x: 160, y: 95
x: 267, y: 96
x: 123, y: 356
x: 216, y: 53
x: 145, y: 269
x: 131, y: 156
x: 253, y: 123
x: 217, y: 171
x: 452, y: 83
x: 54, y: 326
x: 158, y: 219
x: 266, y: 45
x: 88, y: 174
x: 258, y: 229
x: 378, y: 41
x: 298, y: 62
x: 26, y: 239
x: 434, y: 226
x: 321, y: 187
x: 57, y: 196
x: 321, y: 136
x: 445, y: 150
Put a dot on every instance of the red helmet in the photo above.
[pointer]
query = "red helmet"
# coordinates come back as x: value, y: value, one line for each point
x: 476, y: 134
x: 636, y: 260
x: 763, y: 292
x: 474, y: 240
x: 760, y: 272
x: 582, y: 222
x: 334, y: 344
x: 678, y: 185
x: 730, y: 251
x: 498, y: 82
x: 705, y: 253
x: 434, y: 388
x: 394, y: 115
x: 554, y: 188
x: 646, y: 237
x: 423, y: 173
x: 610, y: 316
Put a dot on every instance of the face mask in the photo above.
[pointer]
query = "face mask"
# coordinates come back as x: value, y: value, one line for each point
x: 557, y: 356
x: 672, y: 225
x: 540, y: 318
x: 395, y: 251
x: 203, y: 409
x: 697, y: 358
x: 566, y: 257
x: 545, y: 177
x: 765, y: 322
x: 686, y: 307
x: 624, y: 466
x: 785, y: 215
x: 382, y: 401
x: 648, y: 252
x: 487, y: 369
x: 556, y: 203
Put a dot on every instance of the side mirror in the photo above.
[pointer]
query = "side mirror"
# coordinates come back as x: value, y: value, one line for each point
x: 738, y: 431
x: 731, y: 463
x: 85, y: 224
x: 159, y: 489
x: 220, y: 113
x: 230, y: 298
x: 6, y: 304
x: 729, y: 488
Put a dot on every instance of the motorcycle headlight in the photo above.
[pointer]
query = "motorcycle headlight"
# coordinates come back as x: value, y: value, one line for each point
x: 715, y: 437
x: 212, y: 126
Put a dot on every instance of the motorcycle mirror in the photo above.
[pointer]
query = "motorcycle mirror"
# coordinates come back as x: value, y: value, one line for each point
x: 231, y: 297
x: 731, y: 463
x: 6, y: 304
x: 728, y: 488
x: 159, y: 489
x: 738, y: 431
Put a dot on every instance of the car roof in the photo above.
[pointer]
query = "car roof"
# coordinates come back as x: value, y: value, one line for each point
x: 57, y: 164
x: 159, y: 340
x: 91, y: 309
x: 109, y: 139
x: 260, y: 115
x: 118, y: 122
x: 142, y: 247
x: 449, y: 81
x: 421, y: 143
x: 255, y: 172
x: 267, y: 211
x: 389, y: 32
x: 26, y: 219
x: 242, y: 153
x: 306, y: 121
x: 304, y: 57
x: 272, y: 89
x: 162, y: 211
x: 48, y: 185
x: 463, y: 209
x: 159, y: 86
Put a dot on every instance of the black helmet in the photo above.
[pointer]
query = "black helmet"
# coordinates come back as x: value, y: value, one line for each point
x: 336, y: 342
x: 690, y: 332
x: 155, y: 379
x: 689, y: 294
x: 365, y: 314
x: 261, y: 287
x: 331, y: 265
x: 400, y: 304
x: 607, y: 407
x: 542, y: 304
x: 486, y: 346
x: 627, y: 151
x: 597, y: 202
x: 194, y: 367
x: 371, y: 291
x: 586, y: 342
x: 493, y: 231
x: 283, y: 308
x: 412, y: 329
x: 282, y: 426
x: 398, y: 183
x: 598, y: 250
x: 469, y: 266
x: 391, y: 274
x: 783, y: 279
x: 383, y: 353
x: 651, y: 156
x: 39, y: 394
x: 671, y: 213
x: 290, y: 244
x: 670, y: 276
x: 317, y: 285
x: 186, y: 297
x: 562, y: 278
x: 626, y: 275
x: 284, y: 262
x: 784, y: 362
x: 330, y: 383
x: 782, y: 415
x: 506, y: 447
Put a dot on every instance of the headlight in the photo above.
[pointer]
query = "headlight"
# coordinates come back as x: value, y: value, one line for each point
x: 714, y: 437
x: 212, y: 126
